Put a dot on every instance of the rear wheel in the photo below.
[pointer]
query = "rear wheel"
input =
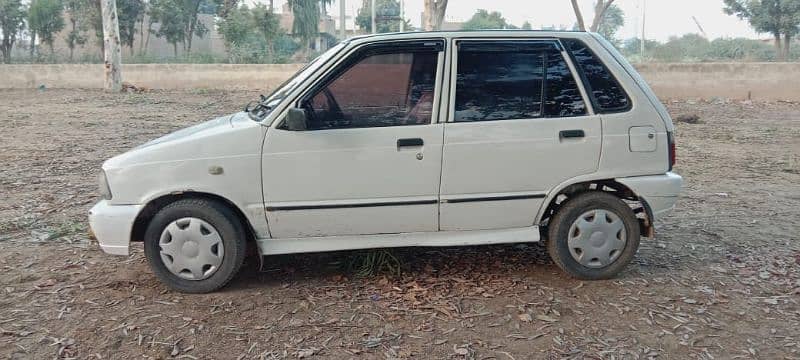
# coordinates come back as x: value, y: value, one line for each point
x: 195, y: 245
x: 593, y: 236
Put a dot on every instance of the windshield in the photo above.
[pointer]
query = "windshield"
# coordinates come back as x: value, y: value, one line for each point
x: 266, y: 104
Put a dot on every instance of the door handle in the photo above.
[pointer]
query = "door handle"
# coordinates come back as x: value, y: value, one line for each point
x: 413, y: 142
x: 567, y: 134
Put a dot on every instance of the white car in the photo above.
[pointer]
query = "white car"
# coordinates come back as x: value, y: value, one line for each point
x: 412, y: 139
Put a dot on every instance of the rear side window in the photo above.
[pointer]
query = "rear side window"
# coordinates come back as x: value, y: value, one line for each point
x: 607, y: 94
x: 514, y: 80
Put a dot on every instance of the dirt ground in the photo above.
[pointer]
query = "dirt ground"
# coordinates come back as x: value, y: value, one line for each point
x: 720, y: 281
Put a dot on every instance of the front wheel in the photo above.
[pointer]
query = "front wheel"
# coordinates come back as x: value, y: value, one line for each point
x: 195, y: 245
x: 593, y: 236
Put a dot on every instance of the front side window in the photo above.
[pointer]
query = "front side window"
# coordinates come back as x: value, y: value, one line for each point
x: 607, y: 94
x: 514, y: 80
x: 378, y: 90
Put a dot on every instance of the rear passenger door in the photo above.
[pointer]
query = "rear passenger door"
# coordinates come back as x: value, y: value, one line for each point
x: 518, y: 125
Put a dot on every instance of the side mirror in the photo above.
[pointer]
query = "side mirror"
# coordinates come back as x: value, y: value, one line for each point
x: 296, y: 120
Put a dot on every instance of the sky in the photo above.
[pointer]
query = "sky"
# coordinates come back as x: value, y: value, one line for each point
x: 664, y: 18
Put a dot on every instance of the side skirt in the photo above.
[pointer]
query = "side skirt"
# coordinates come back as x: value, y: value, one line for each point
x: 424, y: 239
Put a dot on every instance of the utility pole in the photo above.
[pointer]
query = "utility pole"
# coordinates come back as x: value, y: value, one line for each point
x: 112, y: 51
x: 342, y: 20
x: 402, y: 16
x: 374, y: 23
x: 644, y: 18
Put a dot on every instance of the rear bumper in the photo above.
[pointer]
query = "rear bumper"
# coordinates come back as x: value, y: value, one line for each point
x: 659, y: 191
x: 112, y: 225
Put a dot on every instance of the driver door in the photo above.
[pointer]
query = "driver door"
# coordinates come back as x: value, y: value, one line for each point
x: 370, y: 160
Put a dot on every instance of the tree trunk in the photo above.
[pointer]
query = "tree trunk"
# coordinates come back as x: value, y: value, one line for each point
x: 33, y: 44
x: 112, y: 53
x: 778, y: 47
x: 600, y: 9
x: 433, y: 14
x: 787, y: 45
x: 578, y: 15
x: 441, y: 10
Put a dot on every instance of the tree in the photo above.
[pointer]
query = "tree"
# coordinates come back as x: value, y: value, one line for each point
x: 611, y: 22
x: 167, y: 13
x: 483, y: 20
x: 781, y: 18
x: 387, y: 13
x: 433, y: 17
x: 254, y: 35
x: 527, y: 25
x: 77, y: 17
x: 600, y: 9
x: 268, y: 26
x: 190, y: 9
x: 12, y: 21
x: 44, y: 18
x: 177, y: 22
x: 307, y: 14
x: 130, y: 13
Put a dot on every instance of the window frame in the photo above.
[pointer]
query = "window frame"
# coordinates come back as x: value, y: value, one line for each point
x: 588, y: 85
x: 356, y: 55
x: 556, y: 42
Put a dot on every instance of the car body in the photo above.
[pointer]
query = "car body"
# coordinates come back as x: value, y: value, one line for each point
x: 410, y: 139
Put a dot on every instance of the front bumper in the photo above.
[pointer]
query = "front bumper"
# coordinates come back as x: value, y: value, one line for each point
x: 112, y: 225
x: 659, y: 191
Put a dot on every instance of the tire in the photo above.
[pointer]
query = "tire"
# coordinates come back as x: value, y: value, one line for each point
x: 567, y: 240
x: 227, y: 230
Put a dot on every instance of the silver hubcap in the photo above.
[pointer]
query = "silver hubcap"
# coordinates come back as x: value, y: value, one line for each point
x: 191, y: 248
x: 597, y: 238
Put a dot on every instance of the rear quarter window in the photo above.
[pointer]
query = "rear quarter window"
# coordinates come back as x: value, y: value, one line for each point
x: 606, y: 94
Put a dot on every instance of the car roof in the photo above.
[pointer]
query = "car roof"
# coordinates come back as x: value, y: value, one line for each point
x: 469, y: 33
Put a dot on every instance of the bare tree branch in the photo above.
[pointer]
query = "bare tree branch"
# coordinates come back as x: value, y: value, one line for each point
x: 600, y: 9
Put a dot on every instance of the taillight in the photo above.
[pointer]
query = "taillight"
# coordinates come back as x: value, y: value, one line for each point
x: 672, y: 156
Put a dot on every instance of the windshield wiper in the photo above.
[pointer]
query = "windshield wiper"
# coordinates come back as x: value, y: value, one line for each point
x: 260, y: 110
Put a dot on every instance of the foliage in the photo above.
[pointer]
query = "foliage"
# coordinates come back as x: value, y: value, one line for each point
x: 483, y: 19
x: 527, y: 25
x: 371, y: 262
x: 129, y: 13
x: 44, y: 18
x: 254, y: 36
x: 12, y: 21
x: 695, y: 48
x: 307, y: 14
x: 387, y: 13
x: 777, y: 17
x: 177, y: 21
x: 76, y: 13
x: 612, y: 20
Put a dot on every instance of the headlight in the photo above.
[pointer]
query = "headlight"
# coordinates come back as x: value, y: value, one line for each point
x: 105, y: 190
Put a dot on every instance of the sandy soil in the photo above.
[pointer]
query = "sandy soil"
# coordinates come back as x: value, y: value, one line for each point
x: 721, y: 280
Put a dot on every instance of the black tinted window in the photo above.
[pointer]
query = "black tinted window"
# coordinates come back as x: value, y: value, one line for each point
x: 562, y: 97
x: 379, y: 90
x: 606, y: 92
x: 502, y: 81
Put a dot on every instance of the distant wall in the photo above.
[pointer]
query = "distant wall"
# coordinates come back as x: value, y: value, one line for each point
x: 759, y: 81
x: 154, y: 76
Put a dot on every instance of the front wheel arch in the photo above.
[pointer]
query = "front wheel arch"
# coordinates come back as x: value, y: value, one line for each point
x: 155, y: 205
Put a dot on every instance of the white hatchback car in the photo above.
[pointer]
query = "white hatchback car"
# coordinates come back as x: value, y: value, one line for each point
x: 414, y: 139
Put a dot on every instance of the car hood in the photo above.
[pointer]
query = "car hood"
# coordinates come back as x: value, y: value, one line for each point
x: 214, y: 138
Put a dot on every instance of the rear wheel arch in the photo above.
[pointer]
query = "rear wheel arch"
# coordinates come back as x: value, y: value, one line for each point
x: 155, y: 205
x: 611, y: 186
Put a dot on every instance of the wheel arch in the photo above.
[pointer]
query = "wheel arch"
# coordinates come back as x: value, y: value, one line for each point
x: 154, y: 205
x: 555, y: 199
